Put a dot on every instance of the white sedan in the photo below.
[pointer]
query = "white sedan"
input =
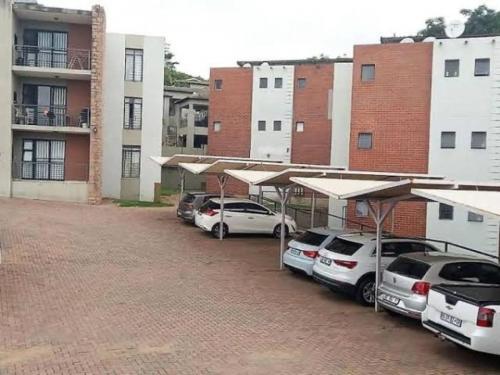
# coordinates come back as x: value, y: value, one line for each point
x: 241, y: 216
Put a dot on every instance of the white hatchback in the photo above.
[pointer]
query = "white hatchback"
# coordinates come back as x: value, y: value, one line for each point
x: 348, y: 263
x: 303, y: 250
x: 241, y: 216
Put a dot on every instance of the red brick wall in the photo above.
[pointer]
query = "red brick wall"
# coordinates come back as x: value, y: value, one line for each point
x: 80, y: 36
x: 77, y: 157
x: 78, y: 99
x: 311, y: 105
x: 395, y: 107
x: 232, y: 107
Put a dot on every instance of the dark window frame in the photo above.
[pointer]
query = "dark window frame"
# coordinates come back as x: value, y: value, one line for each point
x: 475, y: 146
x: 131, y: 103
x: 134, y: 52
x: 259, y: 123
x: 448, y: 147
x: 263, y: 83
x: 451, y: 61
x: 277, y: 128
x: 130, y: 172
x: 482, y: 60
x: 280, y: 85
x: 301, y: 83
x: 364, y: 73
x: 472, y: 217
x: 50, y: 162
x: 446, y: 212
x: 218, y: 84
x: 359, y: 140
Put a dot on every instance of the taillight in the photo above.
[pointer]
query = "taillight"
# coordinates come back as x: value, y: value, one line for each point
x: 346, y: 263
x: 421, y: 288
x: 485, y: 317
x: 310, y: 253
x: 211, y: 212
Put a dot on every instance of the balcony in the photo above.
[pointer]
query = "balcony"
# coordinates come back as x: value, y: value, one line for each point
x: 54, y: 118
x: 44, y: 62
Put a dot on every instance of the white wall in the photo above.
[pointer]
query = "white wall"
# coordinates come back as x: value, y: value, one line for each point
x: 5, y: 97
x: 268, y: 105
x: 113, y: 99
x: 152, y: 120
x: 462, y: 104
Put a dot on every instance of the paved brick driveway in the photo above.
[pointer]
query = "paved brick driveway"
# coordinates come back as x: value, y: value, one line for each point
x: 124, y: 290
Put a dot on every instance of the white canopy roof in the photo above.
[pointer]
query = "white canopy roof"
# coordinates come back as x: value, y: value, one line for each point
x: 249, y: 177
x: 175, y: 160
x: 195, y: 168
x: 482, y: 202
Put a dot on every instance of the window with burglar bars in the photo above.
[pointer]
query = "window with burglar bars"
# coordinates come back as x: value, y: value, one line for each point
x: 132, y: 118
x: 133, y: 64
x: 43, y: 159
x: 131, y: 161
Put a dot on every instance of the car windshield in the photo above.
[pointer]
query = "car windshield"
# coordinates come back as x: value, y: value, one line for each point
x: 189, y: 198
x: 341, y: 246
x: 479, y: 272
x: 409, y: 268
x: 311, y: 238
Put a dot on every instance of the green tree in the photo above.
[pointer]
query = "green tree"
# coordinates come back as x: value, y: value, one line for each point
x: 172, y: 75
x: 433, y: 27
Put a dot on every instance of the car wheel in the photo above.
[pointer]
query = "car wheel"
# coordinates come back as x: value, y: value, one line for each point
x: 216, y: 231
x: 365, y: 293
x: 277, y: 231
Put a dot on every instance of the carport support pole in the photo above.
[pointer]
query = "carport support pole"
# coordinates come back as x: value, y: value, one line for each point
x: 284, y: 194
x: 182, y: 175
x: 313, y: 208
x: 222, y: 179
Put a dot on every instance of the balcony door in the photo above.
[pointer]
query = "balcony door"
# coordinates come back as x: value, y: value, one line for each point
x: 45, y: 105
x: 46, y: 49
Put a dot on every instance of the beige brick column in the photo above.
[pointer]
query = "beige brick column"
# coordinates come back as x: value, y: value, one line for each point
x: 96, y: 104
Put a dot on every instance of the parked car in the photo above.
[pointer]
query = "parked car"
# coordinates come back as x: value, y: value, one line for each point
x: 241, y: 216
x: 466, y: 314
x: 191, y: 202
x: 348, y: 263
x: 407, y: 280
x: 303, y: 250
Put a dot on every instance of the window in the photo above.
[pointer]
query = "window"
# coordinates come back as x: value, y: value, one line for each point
x: 255, y: 209
x: 277, y: 126
x: 311, y: 238
x: 43, y: 159
x: 409, y: 268
x: 361, y: 209
x: 365, y: 141
x: 301, y: 83
x: 261, y: 126
x: 367, y: 72
x: 132, y: 118
x: 217, y: 126
x: 200, y: 141
x: 263, y: 83
x: 445, y: 212
x: 475, y: 218
x: 478, y: 140
x: 476, y: 272
x: 451, y: 68
x: 133, y: 64
x: 448, y: 139
x: 218, y: 84
x: 344, y: 247
x: 299, y: 126
x: 131, y: 161
x: 482, y: 68
x: 278, y: 83
x: 394, y: 249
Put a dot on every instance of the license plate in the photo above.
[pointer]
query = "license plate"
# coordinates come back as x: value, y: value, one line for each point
x: 325, y: 260
x: 451, y: 319
x: 391, y: 299
x: 294, y: 252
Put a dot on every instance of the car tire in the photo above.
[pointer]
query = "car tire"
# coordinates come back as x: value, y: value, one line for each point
x: 365, y: 292
x: 215, y: 230
x: 277, y: 231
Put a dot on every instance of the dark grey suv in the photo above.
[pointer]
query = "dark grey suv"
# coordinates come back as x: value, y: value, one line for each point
x: 191, y: 202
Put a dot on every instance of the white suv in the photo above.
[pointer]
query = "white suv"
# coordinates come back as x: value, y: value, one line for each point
x: 348, y: 263
x: 241, y: 216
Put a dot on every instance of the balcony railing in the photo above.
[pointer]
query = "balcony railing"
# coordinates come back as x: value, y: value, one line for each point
x: 43, y: 57
x: 56, y: 115
x: 59, y: 170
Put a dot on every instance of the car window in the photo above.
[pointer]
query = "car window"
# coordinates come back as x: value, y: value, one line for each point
x: 394, y: 249
x: 234, y: 207
x: 189, y: 198
x: 255, y: 209
x: 478, y: 272
x: 391, y: 249
x: 409, y: 268
x: 311, y: 238
x: 210, y: 205
x: 341, y: 246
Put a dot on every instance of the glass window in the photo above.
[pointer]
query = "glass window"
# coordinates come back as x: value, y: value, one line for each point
x: 277, y: 126
x: 132, y: 118
x: 133, y: 64
x: 448, y: 139
x: 365, y: 141
x: 43, y: 159
x: 478, y: 140
x: 409, y: 268
x: 217, y: 126
x: 476, y: 272
x: 311, y: 238
x: 263, y: 83
x: 301, y: 83
x: 131, y: 161
x: 452, y: 68
x: 361, y: 209
x: 482, y: 67
x: 218, y: 84
x: 278, y: 83
x: 341, y: 246
x: 255, y: 209
x: 367, y: 72
x: 475, y: 218
x: 445, y: 212
x: 261, y: 126
x: 299, y: 126
x: 200, y: 141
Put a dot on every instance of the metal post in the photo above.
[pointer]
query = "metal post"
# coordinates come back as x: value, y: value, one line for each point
x: 222, y: 184
x: 182, y: 175
x: 378, y: 267
x: 284, y: 195
x: 313, y: 208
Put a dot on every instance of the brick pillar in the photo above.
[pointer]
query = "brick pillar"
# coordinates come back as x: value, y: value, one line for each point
x: 96, y: 87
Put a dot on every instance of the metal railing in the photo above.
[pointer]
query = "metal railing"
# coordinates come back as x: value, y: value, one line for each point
x: 55, y: 115
x: 54, y: 170
x: 46, y: 57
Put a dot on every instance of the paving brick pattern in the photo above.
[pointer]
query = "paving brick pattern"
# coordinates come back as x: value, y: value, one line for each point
x: 108, y: 290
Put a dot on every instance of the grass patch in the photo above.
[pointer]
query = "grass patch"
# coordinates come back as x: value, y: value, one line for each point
x: 132, y: 203
x: 168, y: 191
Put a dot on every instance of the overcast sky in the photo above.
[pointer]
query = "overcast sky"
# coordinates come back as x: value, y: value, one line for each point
x: 214, y: 33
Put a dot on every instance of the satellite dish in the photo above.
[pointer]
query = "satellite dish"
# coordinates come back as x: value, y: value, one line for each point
x: 454, y: 29
x: 407, y: 40
x: 429, y: 39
